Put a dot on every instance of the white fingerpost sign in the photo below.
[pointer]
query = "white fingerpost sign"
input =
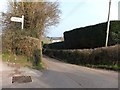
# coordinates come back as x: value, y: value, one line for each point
x: 18, y: 19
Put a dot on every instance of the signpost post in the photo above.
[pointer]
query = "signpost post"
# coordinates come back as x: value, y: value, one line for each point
x: 18, y: 19
x: 22, y: 21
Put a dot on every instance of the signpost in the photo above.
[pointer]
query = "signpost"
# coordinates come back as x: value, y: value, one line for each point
x: 18, y: 19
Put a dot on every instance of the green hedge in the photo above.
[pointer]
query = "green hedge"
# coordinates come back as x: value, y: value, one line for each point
x: 92, y: 36
x: 25, y: 45
x: 56, y: 45
x: 98, y: 56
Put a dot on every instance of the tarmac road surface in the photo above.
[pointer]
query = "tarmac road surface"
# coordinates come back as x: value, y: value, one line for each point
x: 60, y: 75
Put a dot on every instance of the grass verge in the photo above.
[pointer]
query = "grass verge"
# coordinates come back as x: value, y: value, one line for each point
x: 114, y: 67
x: 20, y: 60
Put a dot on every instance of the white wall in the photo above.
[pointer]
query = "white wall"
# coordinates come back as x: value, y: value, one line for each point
x: 53, y: 41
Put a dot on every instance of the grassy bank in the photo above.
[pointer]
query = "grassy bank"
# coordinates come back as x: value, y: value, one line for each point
x: 21, y: 61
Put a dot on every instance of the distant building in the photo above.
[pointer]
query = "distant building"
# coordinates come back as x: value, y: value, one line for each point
x: 56, y: 39
x: 119, y: 10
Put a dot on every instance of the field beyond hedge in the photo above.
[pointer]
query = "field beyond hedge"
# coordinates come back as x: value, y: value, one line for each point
x: 105, y: 57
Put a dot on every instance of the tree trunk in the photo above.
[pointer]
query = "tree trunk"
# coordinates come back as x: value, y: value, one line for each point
x: 40, y: 45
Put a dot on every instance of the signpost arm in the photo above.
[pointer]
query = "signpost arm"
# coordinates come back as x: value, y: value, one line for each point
x: 17, y: 19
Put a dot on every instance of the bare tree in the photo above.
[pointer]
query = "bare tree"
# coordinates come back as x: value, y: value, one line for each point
x: 39, y: 16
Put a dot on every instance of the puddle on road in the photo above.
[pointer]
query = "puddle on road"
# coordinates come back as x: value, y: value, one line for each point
x: 21, y: 79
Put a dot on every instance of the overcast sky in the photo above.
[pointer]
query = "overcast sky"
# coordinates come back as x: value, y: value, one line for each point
x: 79, y: 13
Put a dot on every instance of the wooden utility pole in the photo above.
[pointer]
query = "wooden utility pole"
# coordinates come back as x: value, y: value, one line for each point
x: 108, y: 24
